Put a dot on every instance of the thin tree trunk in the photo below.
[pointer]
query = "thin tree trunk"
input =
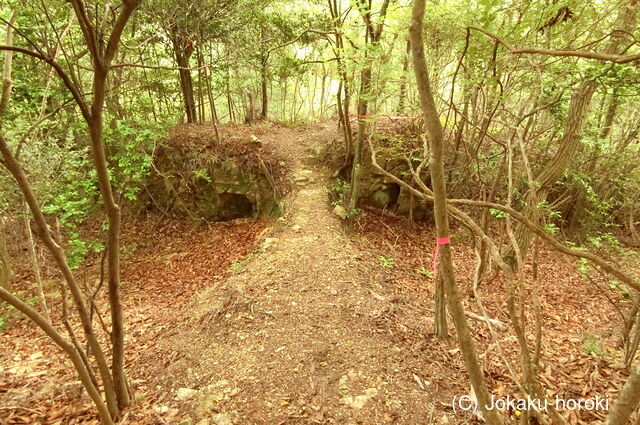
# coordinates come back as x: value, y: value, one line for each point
x: 6, y: 72
x: 343, y: 120
x: 52, y: 72
x: 5, y: 264
x: 363, y: 110
x: 102, y: 63
x: 113, y: 244
x: 403, y: 78
x: 283, y: 102
x: 435, y: 133
x: 264, y: 83
x: 212, y: 106
x: 229, y: 100
x: 344, y: 80
x: 627, y: 400
x: 293, y: 104
x: 312, y: 98
x: 34, y: 263
x: 440, y: 328
x: 578, y: 109
x: 200, y: 85
x: 322, y: 89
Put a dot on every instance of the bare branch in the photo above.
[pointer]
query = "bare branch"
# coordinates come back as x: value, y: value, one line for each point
x: 605, y: 57
x: 116, y: 33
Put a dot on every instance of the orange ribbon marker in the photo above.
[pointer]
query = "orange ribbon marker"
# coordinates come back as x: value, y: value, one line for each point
x: 439, y: 241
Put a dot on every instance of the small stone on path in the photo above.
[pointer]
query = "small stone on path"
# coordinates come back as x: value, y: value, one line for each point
x: 185, y: 394
x: 340, y: 212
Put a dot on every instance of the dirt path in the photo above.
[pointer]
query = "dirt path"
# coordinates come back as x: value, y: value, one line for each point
x: 302, y: 332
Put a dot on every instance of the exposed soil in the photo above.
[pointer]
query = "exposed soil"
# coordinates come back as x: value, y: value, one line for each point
x: 302, y: 320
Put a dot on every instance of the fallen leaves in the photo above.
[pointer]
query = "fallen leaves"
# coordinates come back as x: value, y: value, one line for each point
x: 170, y: 261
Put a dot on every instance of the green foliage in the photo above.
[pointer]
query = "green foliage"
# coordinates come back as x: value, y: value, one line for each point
x: 592, y: 345
x: 615, y: 286
x: 77, y: 250
x: 550, y: 228
x: 75, y: 196
x: 621, y: 289
x: 604, y: 240
x: 202, y: 174
x: 425, y: 272
x: 237, y: 267
x: 341, y: 189
x: 387, y: 262
x: 584, y: 268
x: 551, y: 217
x: 355, y: 213
x: 598, y: 209
x: 497, y: 213
x: 131, y: 160
x: 32, y: 301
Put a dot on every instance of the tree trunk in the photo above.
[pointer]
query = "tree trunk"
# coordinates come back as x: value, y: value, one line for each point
x: 182, y: 55
x: 13, y: 166
x: 577, y: 212
x: 250, y: 114
x: 372, y: 39
x: 112, y: 210
x: 440, y: 328
x: 578, y: 110
x: 323, y: 89
x: 74, y: 355
x: 35, y: 264
x: 264, y: 83
x: 292, y: 117
x: 5, y: 265
x: 200, y: 86
x: 403, y: 79
x: 6, y: 72
x: 627, y: 401
x: 343, y: 108
x: 435, y: 133
x: 212, y: 105
x: 363, y: 110
x: 229, y: 99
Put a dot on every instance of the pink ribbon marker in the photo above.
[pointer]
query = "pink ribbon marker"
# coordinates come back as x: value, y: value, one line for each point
x: 439, y: 241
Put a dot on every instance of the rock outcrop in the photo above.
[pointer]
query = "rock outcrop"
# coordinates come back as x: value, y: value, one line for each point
x: 195, y: 175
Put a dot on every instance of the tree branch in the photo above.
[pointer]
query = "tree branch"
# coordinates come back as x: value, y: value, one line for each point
x: 77, y: 96
x: 66, y: 346
x: 563, y: 52
x: 116, y: 33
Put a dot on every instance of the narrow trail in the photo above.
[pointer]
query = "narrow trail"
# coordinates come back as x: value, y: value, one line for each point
x: 302, y: 334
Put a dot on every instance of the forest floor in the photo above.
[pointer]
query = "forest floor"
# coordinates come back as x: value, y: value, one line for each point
x: 303, y: 320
